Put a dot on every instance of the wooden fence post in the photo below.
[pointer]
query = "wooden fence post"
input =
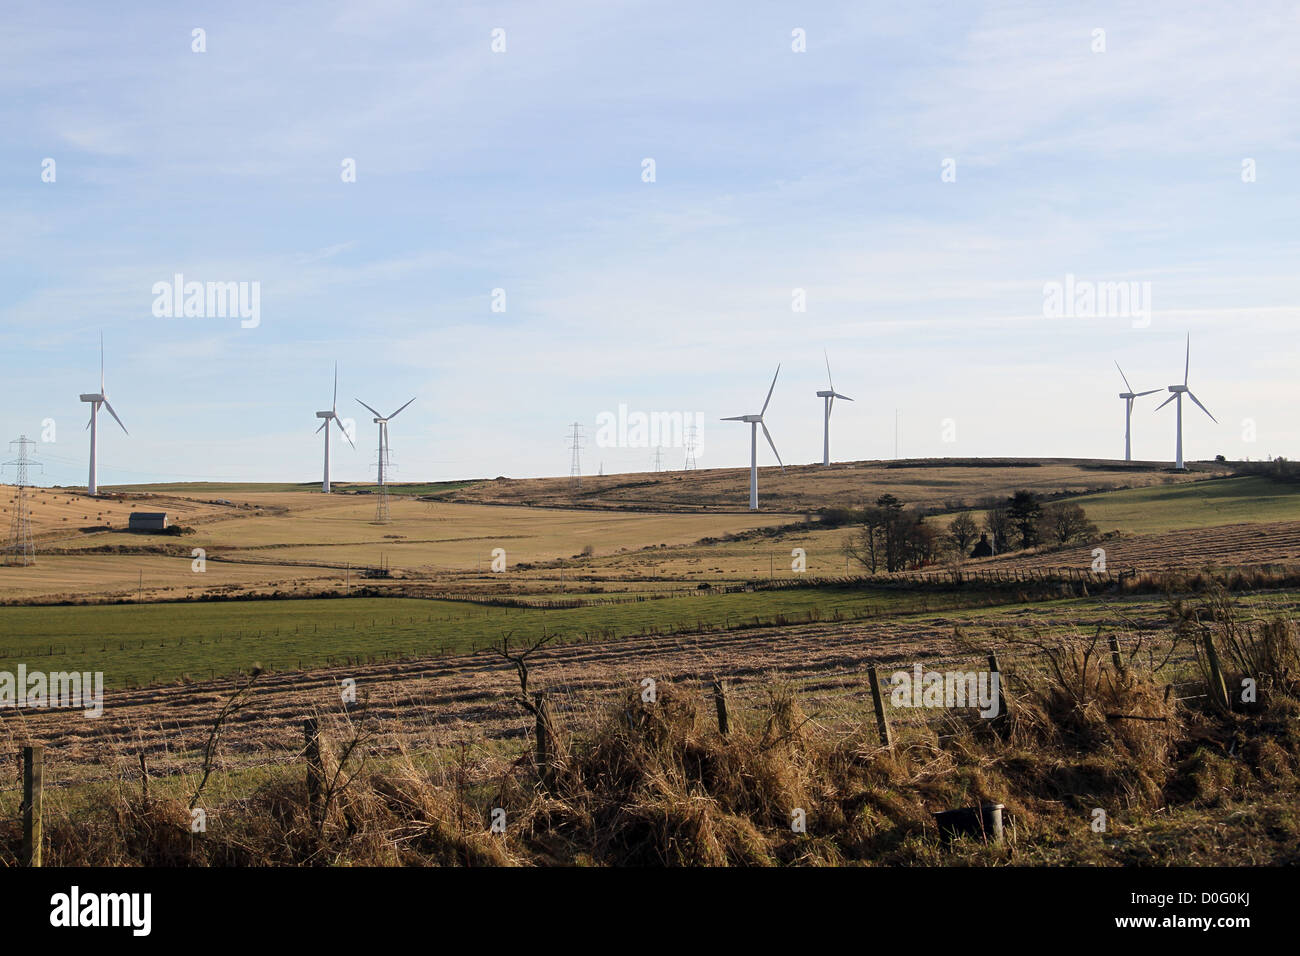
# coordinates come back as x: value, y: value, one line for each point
x: 545, y: 732
x: 1115, y: 657
x: 882, y: 720
x: 995, y: 668
x: 315, y: 769
x: 720, y: 699
x: 33, y: 761
x: 1218, y: 689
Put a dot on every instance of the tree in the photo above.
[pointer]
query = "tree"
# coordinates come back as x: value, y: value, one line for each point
x: 1064, y: 522
x: 997, y: 522
x: 888, y: 513
x: 1026, y: 514
x: 892, y: 538
x: 962, y: 531
x: 864, y: 546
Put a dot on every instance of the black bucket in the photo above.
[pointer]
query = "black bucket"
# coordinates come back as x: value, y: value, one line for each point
x: 983, y: 822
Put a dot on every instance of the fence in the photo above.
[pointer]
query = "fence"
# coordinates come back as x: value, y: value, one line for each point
x: 851, y: 699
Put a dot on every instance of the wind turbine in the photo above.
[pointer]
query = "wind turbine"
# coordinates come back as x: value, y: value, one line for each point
x: 332, y: 414
x: 828, y: 397
x: 95, y: 400
x: 1178, y: 392
x: 754, y: 422
x: 382, y: 422
x: 1128, y: 411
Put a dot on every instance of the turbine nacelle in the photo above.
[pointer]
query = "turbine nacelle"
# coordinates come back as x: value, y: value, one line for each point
x: 92, y: 398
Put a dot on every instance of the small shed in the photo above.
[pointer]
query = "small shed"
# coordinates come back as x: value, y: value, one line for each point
x: 147, y: 521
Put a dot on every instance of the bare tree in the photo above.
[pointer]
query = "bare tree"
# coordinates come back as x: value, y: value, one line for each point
x: 962, y: 532
x: 538, y: 706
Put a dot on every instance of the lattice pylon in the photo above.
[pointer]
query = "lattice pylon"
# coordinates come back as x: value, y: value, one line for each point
x: 20, y: 550
x: 575, y: 462
x: 692, y: 438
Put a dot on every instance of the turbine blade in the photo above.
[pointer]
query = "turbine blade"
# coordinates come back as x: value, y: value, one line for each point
x: 1187, y: 365
x: 826, y: 356
x: 1166, y: 401
x: 369, y: 409
x: 119, y: 421
x: 322, y: 425
x: 768, y: 436
x: 101, y: 363
x: 734, y: 418
x: 844, y: 397
x: 335, y: 405
x: 830, y: 405
x: 1202, y: 407
x: 770, y: 390
x: 399, y: 411
x: 1124, y: 377
x: 339, y: 422
x: 1151, y: 391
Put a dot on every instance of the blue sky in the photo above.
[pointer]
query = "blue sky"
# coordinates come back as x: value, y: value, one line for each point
x: 522, y: 170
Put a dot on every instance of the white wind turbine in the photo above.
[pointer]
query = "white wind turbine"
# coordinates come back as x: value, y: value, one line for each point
x: 754, y: 422
x: 95, y: 400
x: 382, y: 422
x: 1128, y: 411
x: 1178, y: 392
x: 828, y: 397
x: 333, y: 415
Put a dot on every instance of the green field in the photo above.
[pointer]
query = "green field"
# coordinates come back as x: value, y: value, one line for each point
x: 1201, y: 504
x: 141, y: 644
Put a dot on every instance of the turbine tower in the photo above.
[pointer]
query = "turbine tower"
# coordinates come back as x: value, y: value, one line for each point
x: 381, y: 507
x: 1178, y: 392
x: 95, y: 400
x: 754, y: 422
x: 828, y: 397
x: 328, y: 416
x: 1128, y: 411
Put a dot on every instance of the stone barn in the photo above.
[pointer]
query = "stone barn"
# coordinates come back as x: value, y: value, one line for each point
x: 147, y: 521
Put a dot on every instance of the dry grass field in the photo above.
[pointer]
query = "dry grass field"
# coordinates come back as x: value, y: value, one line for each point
x: 267, y: 539
x: 796, y: 489
x: 260, y: 539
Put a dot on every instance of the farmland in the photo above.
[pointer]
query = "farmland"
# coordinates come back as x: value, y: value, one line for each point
x: 638, y: 577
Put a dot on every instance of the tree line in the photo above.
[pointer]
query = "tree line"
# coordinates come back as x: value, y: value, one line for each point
x: 893, y: 537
